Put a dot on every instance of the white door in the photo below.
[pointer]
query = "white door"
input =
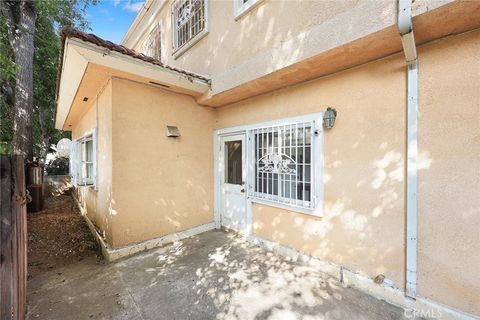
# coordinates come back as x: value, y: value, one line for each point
x: 233, y: 177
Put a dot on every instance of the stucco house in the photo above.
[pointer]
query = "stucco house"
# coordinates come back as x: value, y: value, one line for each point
x: 213, y: 114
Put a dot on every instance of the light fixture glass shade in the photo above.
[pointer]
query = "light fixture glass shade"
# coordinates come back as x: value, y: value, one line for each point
x: 329, y: 118
x: 172, y: 131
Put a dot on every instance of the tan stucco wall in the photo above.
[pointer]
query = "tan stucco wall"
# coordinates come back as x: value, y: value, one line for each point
x: 104, y: 161
x: 97, y: 202
x: 286, y: 30
x: 86, y: 195
x: 273, y: 35
x: 364, y: 222
x: 161, y: 185
x: 449, y: 175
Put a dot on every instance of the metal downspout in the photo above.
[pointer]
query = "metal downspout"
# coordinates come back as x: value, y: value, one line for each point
x: 405, y: 27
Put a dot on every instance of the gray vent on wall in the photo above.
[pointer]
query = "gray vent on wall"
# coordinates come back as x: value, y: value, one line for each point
x: 172, y: 131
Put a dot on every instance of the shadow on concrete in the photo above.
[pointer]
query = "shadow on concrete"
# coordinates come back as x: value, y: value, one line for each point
x: 215, y: 275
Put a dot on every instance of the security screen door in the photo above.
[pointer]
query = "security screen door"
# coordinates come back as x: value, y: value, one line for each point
x: 233, y: 175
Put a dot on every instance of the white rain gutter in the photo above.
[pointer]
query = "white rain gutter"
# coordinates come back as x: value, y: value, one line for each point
x: 405, y: 27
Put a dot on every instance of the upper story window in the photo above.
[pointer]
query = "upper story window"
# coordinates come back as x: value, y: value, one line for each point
x: 189, y: 19
x: 241, y: 7
x: 152, y: 46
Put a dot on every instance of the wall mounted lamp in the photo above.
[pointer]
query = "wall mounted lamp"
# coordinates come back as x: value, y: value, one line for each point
x: 329, y: 118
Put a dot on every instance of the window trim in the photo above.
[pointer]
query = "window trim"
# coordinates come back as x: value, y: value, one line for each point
x: 177, y: 52
x: 84, y: 163
x: 276, y: 200
x: 157, y: 30
x: 317, y: 210
x: 241, y: 9
x: 76, y: 163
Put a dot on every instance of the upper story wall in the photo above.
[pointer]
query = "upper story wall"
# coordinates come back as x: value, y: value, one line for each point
x: 271, y: 36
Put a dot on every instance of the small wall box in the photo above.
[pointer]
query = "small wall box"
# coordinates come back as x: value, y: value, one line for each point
x: 172, y: 131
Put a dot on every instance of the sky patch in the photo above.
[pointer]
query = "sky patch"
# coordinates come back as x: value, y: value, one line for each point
x: 110, y: 19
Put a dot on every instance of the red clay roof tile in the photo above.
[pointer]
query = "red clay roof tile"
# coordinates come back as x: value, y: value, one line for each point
x: 69, y: 32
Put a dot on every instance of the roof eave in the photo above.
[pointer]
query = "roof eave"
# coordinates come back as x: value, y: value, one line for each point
x: 82, y: 53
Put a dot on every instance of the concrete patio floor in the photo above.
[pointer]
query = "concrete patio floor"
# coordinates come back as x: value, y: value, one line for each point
x: 215, y: 275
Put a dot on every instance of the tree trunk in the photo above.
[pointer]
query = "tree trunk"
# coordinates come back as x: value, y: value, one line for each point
x: 23, y: 49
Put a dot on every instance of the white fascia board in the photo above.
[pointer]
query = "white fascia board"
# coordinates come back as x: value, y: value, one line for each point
x: 77, y: 55
x: 115, y: 60
x: 73, y: 68
x: 140, y: 24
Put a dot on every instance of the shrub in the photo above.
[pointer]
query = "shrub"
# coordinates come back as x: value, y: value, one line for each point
x: 58, y: 166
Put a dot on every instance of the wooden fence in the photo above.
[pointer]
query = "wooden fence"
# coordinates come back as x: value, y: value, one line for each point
x: 13, y: 239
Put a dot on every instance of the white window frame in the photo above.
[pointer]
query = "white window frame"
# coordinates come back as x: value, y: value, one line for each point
x: 240, y: 9
x: 317, y: 168
x: 178, y: 51
x: 77, y: 163
x: 284, y: 154
x: 150, y: 39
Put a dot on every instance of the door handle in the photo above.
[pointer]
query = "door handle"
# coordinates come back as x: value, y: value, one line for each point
x: 242, y: 191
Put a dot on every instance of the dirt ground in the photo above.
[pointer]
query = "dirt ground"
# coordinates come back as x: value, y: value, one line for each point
x: 57, y: 236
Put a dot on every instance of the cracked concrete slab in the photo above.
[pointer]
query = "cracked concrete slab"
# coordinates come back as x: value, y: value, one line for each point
x: 215, y: 275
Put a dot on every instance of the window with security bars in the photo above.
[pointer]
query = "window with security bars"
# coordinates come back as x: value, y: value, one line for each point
x: 189, y: 21
x: 283, y: 164
x: 152, y: 45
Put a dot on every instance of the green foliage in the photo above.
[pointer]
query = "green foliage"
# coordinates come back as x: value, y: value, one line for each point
x: 58, y: 166
x: 7, y: 66
x: 51, y: 16
x: 7, y: 77
x: 45, y: 64
x: 65, y: 12
x: 6, y: 123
